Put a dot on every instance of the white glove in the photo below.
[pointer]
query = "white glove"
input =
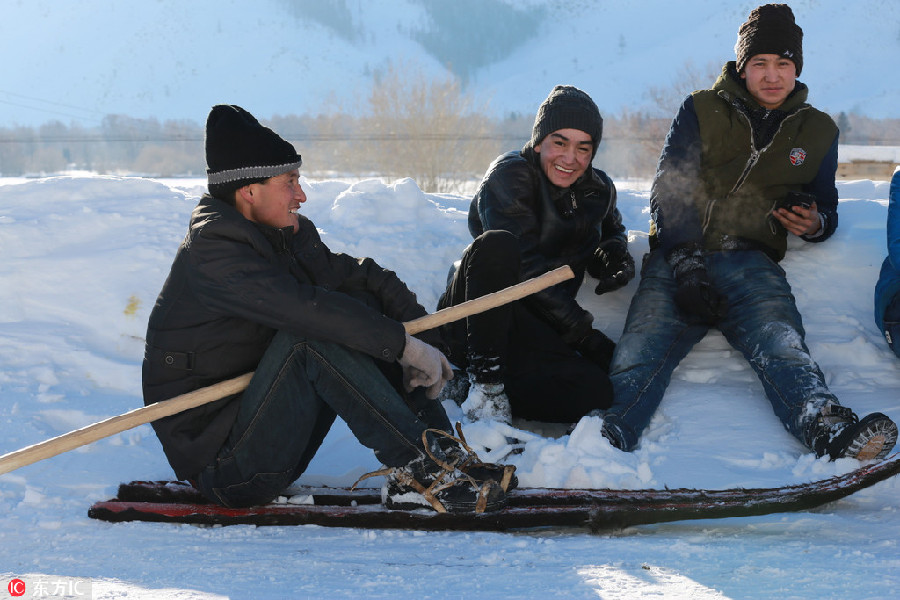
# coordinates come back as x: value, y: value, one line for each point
x: 424, y: 366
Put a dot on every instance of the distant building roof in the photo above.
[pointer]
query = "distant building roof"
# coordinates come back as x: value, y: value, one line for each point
x: 850, y: 153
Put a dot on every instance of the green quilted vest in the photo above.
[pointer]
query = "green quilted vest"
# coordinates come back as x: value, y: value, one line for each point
x: 740, y: 184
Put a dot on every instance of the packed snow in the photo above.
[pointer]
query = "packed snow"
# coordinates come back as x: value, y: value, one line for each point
x: 83, y: 258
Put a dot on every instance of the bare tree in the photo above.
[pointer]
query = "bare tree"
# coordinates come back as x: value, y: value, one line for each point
x: 427, y: 129
x: 665, y: 101
x: 634, y: 138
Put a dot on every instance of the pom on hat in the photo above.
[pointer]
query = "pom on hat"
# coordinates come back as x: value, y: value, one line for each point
x: 567, y: 107
x: 241, y: 151
x: 770, y: 29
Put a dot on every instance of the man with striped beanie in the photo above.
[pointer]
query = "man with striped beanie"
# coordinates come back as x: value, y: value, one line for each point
x: 253, y: 288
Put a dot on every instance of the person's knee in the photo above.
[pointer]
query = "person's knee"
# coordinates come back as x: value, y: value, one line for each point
x: 498, y: 247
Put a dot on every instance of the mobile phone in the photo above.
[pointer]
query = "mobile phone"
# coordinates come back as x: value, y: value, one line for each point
x: 793, y: 199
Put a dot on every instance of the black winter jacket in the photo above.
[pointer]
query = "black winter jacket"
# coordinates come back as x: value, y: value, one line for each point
x: 233, y: 284
x: 555, y: 227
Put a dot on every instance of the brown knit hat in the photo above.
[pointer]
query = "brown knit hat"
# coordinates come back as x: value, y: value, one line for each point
x: 770, y: 29
x: 567, y: 107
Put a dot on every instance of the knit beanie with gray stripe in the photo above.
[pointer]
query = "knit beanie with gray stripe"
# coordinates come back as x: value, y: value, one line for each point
x: 241, y: 151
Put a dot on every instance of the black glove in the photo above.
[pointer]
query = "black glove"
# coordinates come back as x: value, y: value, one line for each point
x: 695, y: 295
x: 612, y: 265
x: 597, y: 348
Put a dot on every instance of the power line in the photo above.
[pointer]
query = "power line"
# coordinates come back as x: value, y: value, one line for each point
x: 51, y: 103
x: 311, y: 137
x: 303, y: 137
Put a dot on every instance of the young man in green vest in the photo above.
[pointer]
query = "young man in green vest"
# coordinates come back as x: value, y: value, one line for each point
x: 744, y: 164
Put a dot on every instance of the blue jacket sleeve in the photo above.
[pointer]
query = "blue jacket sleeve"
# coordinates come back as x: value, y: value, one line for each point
x: 677, y: 181
x: 888, y: 284
x: 893, y: 223
x: 826, y: 194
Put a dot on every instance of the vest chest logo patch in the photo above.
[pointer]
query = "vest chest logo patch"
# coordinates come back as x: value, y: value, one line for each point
x: 798, y: 156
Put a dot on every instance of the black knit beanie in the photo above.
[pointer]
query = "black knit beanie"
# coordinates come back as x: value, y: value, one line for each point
x: 567, y: 107
x: 770, y: 29
x: 240, y: 151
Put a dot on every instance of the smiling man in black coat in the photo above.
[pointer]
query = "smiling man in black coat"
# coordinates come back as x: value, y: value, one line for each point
x: 535, y: 210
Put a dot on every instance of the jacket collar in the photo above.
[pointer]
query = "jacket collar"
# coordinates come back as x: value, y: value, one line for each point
x: 279, y: 238
x: 731, y: 86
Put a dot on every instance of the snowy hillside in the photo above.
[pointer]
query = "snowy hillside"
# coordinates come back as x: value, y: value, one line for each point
x: 84, y: 257
x: 77, y: 62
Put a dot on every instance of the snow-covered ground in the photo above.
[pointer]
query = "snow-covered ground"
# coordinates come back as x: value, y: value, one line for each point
x: 82, y: 259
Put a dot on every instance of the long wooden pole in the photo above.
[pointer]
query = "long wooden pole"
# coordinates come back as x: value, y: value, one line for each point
x: 146, y: 414
x: 489, y: 301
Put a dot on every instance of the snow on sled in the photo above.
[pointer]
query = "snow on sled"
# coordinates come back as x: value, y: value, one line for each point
x: 598, y: 510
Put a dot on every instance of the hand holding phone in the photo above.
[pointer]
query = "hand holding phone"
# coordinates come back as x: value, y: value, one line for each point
x: 805, y: 222
x: 801, y: 199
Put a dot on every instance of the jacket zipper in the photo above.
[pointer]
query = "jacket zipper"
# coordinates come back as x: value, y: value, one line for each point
x: 751, y: 162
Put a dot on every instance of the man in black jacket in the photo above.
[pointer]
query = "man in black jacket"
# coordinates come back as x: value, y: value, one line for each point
x: 535, y: 210
x: 253, y: 288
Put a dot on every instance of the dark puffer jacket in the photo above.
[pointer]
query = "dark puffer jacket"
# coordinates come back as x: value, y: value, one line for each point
x: 233, y: 284
x: 727, y: 161
x: 554, y: 226
x: 888, y: 285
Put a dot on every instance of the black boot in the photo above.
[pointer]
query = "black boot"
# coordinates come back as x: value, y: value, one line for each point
x: 460, y: 455
x: 449, y: 477
x: 426, y: 484
x: 839, y: 433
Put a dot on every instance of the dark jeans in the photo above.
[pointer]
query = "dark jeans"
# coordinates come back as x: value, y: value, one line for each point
x: 298, y: 389
x: 544, y: 378
x: 762, y: 322
x: 892, y: 325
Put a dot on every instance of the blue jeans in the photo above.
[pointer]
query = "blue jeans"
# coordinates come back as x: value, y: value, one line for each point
x: 762, y: 322
x: 298, y: 389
